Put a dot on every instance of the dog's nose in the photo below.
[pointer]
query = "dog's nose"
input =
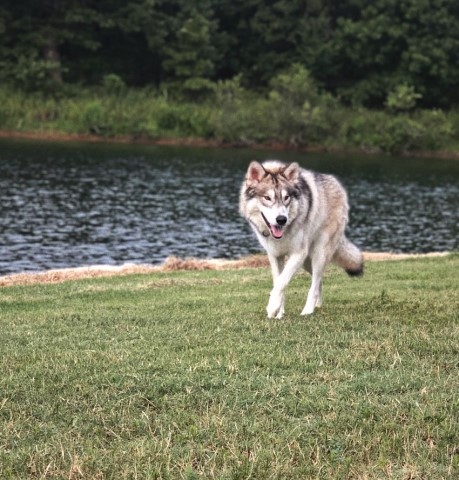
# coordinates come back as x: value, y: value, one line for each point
x: 281, y: 220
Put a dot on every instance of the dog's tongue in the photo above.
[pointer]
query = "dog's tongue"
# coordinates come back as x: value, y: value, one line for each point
x: 276, y: 231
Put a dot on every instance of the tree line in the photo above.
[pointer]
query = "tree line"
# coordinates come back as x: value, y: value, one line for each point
x: 361, y: 52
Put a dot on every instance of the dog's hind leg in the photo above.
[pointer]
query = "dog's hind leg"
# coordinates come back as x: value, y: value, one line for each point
x: 308, y: 267
x: 319, y: 296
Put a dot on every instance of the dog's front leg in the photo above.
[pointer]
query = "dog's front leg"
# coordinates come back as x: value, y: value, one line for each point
x: 277, y: 266
x: 275, y: 306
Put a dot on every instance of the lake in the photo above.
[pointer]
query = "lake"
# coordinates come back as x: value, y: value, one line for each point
x: 73, y: 204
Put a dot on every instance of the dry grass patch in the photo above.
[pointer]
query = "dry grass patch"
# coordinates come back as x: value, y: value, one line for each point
x: 173, y: 264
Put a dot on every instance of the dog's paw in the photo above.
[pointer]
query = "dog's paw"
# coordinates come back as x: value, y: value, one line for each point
x: 280, y: 313
x: 275, y: 306
x: 307, y: 310
x: 275, y: 312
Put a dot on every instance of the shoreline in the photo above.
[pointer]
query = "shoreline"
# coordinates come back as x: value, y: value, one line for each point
x: 193, y: 142
x: 174, y: 264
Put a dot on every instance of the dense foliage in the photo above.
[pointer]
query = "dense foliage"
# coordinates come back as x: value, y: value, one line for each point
x: 293, y: 112
x: 364, y: 53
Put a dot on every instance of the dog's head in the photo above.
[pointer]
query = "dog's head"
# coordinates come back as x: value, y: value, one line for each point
x: 271, y: 191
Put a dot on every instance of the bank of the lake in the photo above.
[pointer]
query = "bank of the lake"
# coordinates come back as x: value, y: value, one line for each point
x: 283, y: 119
x: 56, y: 136
x: 175, y: 264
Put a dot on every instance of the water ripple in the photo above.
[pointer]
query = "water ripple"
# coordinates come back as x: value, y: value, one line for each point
x: 64, y: 206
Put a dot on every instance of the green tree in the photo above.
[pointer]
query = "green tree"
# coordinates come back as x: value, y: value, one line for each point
x: 265, y: 37
x: 189, y: 57
x: 361, y: 51
x: 33, y: 33
x: 381, y: 44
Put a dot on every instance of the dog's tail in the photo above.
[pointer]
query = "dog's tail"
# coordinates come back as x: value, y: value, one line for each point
x: 349, y: 257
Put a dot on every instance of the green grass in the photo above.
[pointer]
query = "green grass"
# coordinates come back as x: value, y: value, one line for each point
x: 181, y: 375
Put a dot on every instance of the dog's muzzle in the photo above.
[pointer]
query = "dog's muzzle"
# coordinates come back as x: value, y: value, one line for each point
x: 276, y: 230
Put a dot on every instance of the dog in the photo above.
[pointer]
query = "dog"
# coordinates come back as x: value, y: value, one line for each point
x: 299, y: 217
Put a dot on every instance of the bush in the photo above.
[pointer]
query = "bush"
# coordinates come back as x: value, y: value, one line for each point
x: 437, y: 128
x: 294, y: 112
x: 94, y: 117
x: 299, y: 113
x: 389, y: 133
x: 238, y: 116
x: 113, y: 84
x: 32, y: 73
x: 453, y: 118
x: 402, y: 98
x: 182, y: 119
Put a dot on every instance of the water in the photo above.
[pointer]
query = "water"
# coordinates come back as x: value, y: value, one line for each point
x: 66, y: 205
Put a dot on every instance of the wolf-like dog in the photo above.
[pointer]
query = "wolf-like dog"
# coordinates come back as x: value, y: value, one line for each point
x: 299, y: 217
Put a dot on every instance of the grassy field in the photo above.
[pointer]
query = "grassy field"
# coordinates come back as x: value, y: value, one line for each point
x: 181, y: 375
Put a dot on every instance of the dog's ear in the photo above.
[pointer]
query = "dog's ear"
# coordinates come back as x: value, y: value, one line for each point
x: 255, y: 172
x: 292, y: 172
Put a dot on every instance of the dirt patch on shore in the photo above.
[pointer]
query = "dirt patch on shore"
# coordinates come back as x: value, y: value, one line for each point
x: 90, y: 138
x: 171, y: 264
x: 173, y: 142
x: 210, y: 143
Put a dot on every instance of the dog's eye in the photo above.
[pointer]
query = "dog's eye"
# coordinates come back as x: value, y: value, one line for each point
x: 267, y: 198
x: 286, y: 198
